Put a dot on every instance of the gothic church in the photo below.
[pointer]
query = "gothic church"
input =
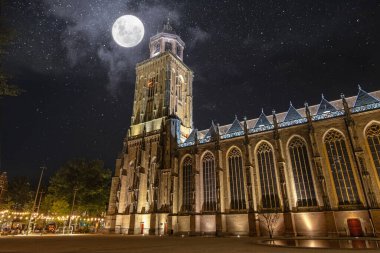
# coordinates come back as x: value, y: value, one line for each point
x: 316, y: 168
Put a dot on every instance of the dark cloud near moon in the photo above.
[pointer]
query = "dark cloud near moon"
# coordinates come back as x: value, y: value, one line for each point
x: 88, y: 30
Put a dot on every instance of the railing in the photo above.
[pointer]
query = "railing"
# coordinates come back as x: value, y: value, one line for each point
x: 365, y: 107
x: 186, y: 144
x: 327, y: 115
x: 292, y: 122
x: 231, y: 135
x: 260, y: 129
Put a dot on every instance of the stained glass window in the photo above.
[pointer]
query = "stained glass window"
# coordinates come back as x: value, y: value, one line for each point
x: 303, y: 180
x: 373, y: 138
x: 209, y: 182
x: 235, y: 165
x: 187, y: 183
x: 267, y: 171
x: 341, y: 168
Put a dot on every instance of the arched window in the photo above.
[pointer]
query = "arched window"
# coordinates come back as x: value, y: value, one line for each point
x: 341, y: 168
x: 150, y: 89
x: 187, y: 169
x: 267, y: 171
x: 235, y: 165
x: 209, y: 182
x: 373, y: 138
x: 303, y: 181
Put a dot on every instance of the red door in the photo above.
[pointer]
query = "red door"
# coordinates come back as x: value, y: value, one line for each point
x: 355, y: 227
x: 141, y: 228
x: 166, y: 229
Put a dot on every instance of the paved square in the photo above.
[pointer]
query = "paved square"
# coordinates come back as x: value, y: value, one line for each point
x: 140, y: 244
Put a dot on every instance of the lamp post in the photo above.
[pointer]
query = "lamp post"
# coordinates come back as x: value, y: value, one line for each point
x: 35, y: 199
x: 72, y: 206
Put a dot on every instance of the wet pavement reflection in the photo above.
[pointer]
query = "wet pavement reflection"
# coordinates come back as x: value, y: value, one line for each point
x: 325, y: 243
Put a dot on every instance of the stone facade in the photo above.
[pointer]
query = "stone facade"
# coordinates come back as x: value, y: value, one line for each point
x: 314, y: 170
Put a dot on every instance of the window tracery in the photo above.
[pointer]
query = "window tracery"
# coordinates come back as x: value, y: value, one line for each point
x: 341, y: 168
x: 302, y: 175
x: 235, y: 165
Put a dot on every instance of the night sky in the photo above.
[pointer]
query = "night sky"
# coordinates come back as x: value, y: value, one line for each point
x: 246, y: 55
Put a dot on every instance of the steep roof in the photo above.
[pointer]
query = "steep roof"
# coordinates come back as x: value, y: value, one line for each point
x: 212, y: 131
x: 235, y: 127
x: 325, y: 106
x: 363, y: 98
x: 262, y: 121
x: 191, y: 136
x: 292, y: 114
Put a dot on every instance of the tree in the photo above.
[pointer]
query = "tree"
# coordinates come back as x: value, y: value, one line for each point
x: 20, y: 194
x: 270, y: 222
x: 60, y: 207
x: 90, y: 179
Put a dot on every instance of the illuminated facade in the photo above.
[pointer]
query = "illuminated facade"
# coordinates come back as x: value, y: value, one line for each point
x: 317, y: 167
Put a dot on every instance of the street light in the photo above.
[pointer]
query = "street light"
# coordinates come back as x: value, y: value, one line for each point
x: 35, y: 199
x: 72, y: 206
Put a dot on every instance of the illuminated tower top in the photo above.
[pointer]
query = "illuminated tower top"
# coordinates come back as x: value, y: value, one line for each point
x: 166, y: 40
x: 163, y: 87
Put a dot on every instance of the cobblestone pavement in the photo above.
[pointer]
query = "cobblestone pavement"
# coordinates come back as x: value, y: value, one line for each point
x: 141, y: 244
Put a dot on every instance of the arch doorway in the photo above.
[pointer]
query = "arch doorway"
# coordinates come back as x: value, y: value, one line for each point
x: 355, y: 227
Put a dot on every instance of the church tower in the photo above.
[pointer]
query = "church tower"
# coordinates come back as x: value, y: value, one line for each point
x: 163, y: 85
x: 142, y: 189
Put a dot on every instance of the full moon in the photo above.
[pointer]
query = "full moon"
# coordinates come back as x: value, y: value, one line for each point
x: 128, y: 31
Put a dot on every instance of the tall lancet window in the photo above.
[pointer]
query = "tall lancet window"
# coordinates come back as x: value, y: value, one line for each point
x: 187, y: 179
x: 235, y: 166
x: 267, y: 171
x: 303, y: 180
x: 209, y: 182
x: 341, y: 168
x: 373, y: 137
x: 150, y: 89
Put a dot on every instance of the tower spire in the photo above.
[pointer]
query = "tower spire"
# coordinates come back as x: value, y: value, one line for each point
x: 167, y: 27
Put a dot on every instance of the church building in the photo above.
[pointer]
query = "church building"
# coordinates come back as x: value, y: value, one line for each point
x: 311, y: 171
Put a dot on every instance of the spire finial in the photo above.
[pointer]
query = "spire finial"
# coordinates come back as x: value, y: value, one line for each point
x: 235, y: 116
x: 291, y: 103
x: 307, y: 104
x: 360, y: 88
x: 323, y: 97
x: 342, y: 95
x: 167, y: 26
x: 262, y: 110
x: 273, y: 111
x: 212, y: 123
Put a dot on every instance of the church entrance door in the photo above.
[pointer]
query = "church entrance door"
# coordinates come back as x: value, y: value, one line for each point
x: 355, y: 227
x: 142, y: 228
